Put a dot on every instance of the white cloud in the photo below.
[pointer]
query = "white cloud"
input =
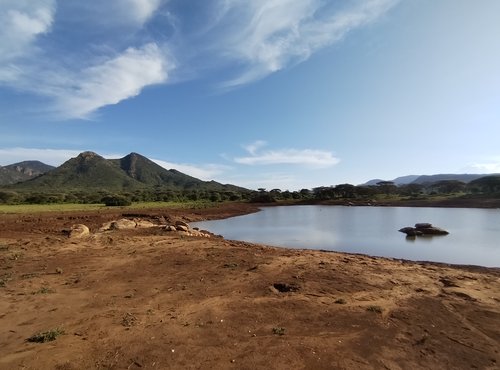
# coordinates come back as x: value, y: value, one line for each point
x: 142, y: 10
x: 268, y: 35
x: 108, y: 83
x: 85, y: 79
x: 203, y: 172
x: 253, y: 147
x: 487, y: 167
x: 54, y: 157
x: 108, y: 55
x: 21, y: 22
x: 305, y: 157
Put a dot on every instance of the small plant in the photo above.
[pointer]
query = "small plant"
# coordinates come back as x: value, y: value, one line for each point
x: 46, y: 336
x: 340, y: 301
x: 376, y: 309
x: 15, y: 256
x: 43, y: 290
x: 4, y: 279
x: 279, y: 330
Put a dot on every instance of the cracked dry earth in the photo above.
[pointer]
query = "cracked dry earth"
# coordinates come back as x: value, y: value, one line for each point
x: 148, y: 299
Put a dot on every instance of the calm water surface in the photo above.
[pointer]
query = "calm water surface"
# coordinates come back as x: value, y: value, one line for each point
x: 474, y: 233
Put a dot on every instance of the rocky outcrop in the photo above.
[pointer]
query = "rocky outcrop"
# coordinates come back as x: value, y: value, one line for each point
x: 180, y: 227
x: 423, y: 229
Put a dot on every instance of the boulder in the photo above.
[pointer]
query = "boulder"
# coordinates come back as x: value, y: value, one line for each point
x: 182, y: 228
x: 144, y: 223
x: 411, y: 231
x: 123, y: 224
x: 181, y: 223
x: 79, y: 231
x: 433, y: 230
x: 170, y: 228
x: 423, y: 225
x: 423, y: 229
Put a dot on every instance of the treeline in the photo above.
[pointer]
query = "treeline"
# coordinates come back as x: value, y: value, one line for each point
x: 121, y: 198
x: 485, y: 186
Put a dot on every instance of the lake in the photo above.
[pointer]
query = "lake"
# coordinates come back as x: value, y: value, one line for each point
x: 473, y: 240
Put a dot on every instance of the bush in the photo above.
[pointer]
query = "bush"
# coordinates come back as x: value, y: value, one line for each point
x: 115, y: 200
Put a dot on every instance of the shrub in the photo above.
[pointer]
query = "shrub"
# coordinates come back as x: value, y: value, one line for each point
x: 46, y: 336
x: 115, y: 200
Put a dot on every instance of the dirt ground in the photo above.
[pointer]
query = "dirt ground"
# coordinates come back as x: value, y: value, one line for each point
x: 151, y: 299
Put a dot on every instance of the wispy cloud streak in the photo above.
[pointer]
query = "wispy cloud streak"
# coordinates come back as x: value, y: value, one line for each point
x: 117, y: 54
x: 304, y: 157
x: 268, y: 35
x: 21, y: 22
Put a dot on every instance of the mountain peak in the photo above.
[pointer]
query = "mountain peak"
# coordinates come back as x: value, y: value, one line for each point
x: 88, y: 154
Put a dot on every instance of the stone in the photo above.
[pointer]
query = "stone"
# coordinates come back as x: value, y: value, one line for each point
x: 181, y: 223
x: 433, y: 230
x: 79, y: 231
x: 123, y: 224
x: 144, y: 224
x: 423, y: 229
x: 182, y: 228
x: 106, y: 226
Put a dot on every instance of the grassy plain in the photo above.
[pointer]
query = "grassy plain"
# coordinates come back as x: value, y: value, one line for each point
x: 76, y: 207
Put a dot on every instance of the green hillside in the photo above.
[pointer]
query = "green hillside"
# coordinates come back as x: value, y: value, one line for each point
x: 87, y: 171
x: 89, y: 178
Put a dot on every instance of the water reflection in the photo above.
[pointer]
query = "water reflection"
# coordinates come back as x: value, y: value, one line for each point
x: 473, y: 237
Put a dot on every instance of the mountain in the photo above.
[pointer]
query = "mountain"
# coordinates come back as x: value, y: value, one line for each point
x: 402, y: 180
x: 87, y: 171
x: 466, y: 178
x: 22, y: 171
x: 427, y: 179
x: 90, y: 171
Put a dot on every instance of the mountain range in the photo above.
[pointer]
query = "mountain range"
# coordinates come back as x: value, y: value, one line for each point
x: 90, y: 171
x: 428, y: 179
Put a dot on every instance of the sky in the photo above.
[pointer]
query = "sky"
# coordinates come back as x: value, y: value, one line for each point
x: 286, y: 94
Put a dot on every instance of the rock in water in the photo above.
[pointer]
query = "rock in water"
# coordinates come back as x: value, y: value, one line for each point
x: 423, y: 229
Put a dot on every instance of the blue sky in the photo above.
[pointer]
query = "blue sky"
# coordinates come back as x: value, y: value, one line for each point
x: 283, y: 94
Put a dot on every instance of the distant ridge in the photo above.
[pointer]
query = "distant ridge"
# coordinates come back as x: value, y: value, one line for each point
x: 466, y: 178
x: 428, y: 179
x: 398, y: 180
x: 22, y: 171
x: 90, y: 171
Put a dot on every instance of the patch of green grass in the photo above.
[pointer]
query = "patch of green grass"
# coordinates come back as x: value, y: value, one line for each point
x: 41, y: 208
x: 46, y: 336
x: 376, y: 309
x: 279, y: 330
x: 70, y: 207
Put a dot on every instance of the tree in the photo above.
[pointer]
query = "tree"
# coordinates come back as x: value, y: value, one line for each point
x: 387, y: 187
x: 116, y: 200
